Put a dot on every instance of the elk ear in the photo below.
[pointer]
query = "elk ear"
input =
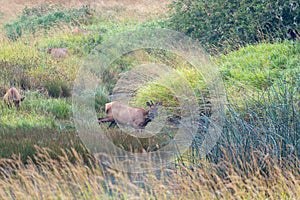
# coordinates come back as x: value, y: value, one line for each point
x: 159, y: 103
x: 49, y: 50
x: 22, y: 99
x: 148, y: 104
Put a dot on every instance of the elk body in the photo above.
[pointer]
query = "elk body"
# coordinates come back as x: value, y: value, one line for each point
x: 12, y: 96
x: 138, y: 118
x: 58, y: 53
x: 79, y: 31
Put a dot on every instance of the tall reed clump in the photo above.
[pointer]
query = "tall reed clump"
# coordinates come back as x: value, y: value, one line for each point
x: 267, y: 125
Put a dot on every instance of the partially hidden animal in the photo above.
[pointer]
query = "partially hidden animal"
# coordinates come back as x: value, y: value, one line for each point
x: 138, y: 118
x: 13, y: 97
x: 58, y: 53
x: 79, y: 31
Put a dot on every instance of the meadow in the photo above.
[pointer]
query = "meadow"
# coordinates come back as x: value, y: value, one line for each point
x: 42, y: 156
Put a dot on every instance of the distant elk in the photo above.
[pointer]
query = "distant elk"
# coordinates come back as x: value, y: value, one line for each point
x: 79, y: 31
x: 138, y: 118
x: 58, y: 53
x: 12, y: 96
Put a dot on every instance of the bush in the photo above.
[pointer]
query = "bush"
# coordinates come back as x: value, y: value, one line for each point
x: 46, y: 16
x: 257, y: 67
x: 171, y: 87
x: 58, y: 89
x: 223, y: 25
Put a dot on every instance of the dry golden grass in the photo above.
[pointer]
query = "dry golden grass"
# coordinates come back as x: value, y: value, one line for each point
x: 63, y: 179
x: 11, y: 9
x: 138, y: 10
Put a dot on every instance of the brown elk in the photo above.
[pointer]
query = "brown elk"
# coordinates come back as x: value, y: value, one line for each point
x: 79, y: 31
x: 12, y: 96
x: 138, y: 118
x: 58, y: 53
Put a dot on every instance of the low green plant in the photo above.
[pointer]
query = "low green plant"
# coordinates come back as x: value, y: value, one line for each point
x: 58, y: 89
x: 172, y: 88
x: 257, y: 67
x: 79, y: 45
x: 101, y: 97
x: 46, y: 16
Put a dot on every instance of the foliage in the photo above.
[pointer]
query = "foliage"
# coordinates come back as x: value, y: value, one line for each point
x: 40, y: 121
x: 268, y: 124
x: 262, y: 84
x: 26, y: 67
x: 256, y: 157
x: 223, y: 25
x: 79, y: 45
x: 257, y: 67
x: 173, y: 87
x: 16, y: 60
x: 58, y: 89
x: 101, y: 98
x: 46, y: 16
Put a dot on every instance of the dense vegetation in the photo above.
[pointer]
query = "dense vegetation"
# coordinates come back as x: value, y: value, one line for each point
x: 228, y: 25
x: 46, y: 16
x: 257, y: 155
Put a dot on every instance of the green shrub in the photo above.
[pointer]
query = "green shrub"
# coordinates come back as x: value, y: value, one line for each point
x: 58, y: 89
x: 257, y: 67
x: 223, y: 25
x: 59, y: 108
x: 174, y: 87
x: 46, y: 16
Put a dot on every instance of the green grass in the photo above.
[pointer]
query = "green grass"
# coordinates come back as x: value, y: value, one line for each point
x: 257, y: 155
x: 45, y: 17
x: 257, y: 67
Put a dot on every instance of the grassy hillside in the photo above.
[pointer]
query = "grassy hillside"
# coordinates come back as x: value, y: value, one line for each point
x: 41, y: 155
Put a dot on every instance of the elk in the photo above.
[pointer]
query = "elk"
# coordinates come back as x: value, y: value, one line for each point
x: 58, y: 53
x: 12, y: 96
x: 135, y: 117
x: 79, y: 31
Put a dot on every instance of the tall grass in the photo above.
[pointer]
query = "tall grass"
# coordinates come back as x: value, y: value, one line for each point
x: 65, y: 179
x: 267, y: 124
x: 41, y: 156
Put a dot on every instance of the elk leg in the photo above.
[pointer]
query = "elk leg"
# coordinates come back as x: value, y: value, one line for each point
x: 113, y: 123
x: 105, y: 119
